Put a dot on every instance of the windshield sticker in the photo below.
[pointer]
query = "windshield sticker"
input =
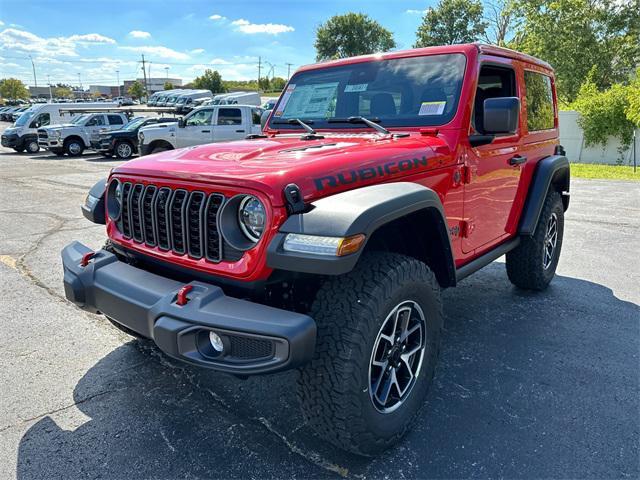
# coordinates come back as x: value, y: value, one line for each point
x: 360, y: 87
x: 285, y: 99
x: 311, y: 100
x: 432, y: 108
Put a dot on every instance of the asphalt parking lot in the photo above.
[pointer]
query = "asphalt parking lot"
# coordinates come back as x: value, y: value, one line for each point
x: 529, y: 385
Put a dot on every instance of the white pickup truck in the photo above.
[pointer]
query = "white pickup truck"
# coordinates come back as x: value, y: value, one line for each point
x: 72, y: 138
x: 212, y: 123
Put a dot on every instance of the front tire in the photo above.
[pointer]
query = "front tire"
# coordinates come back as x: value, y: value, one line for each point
x: 32, y: 146
x: 73, y: 147
x: 362, y: 390
x: 532, y: 264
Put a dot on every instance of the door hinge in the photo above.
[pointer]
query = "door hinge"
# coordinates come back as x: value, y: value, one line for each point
x: 466, y: 174
x: 466, y: 228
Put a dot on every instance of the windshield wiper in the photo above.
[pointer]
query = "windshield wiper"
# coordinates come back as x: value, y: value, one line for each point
x: 358, y: 119
x: 312, y: 135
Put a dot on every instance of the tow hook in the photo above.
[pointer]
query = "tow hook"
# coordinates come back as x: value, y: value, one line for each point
x: 86, y: 257
x: 182, y: 295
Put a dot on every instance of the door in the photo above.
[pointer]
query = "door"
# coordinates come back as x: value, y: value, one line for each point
x: 116, y: 122
x: 494, y: 169
x: 94, y: 125
x: 197, y: 129
x: 230, y: 125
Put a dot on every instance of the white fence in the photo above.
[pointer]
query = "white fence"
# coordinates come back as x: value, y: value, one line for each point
x: 572, y: 139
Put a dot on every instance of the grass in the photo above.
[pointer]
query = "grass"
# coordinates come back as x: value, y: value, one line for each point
x: 604, y: 172
x: 270, y: 94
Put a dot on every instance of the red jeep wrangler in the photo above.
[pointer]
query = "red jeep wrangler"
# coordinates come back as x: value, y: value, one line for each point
x: 324, y: 243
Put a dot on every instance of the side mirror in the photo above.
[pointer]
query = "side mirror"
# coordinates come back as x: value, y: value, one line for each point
x: 263, y: 118
x: 501, y: 115
x: 181, y: 123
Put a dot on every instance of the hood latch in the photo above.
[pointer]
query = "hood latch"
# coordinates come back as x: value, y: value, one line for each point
x: 293, y: 196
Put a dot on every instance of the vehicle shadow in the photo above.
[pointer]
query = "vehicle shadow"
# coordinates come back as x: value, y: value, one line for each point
x: 529, y: 385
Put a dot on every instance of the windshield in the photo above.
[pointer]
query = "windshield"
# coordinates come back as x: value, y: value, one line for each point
x: 80, y: 119
x: 181, y: 100
x: 24, y: 118
x: 133, y: 124
x: 416, y: 91
x: 171, y: 100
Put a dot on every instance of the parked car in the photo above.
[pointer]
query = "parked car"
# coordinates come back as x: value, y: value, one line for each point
x: 73, y: 138
x: 16, y: 113
x: 241, y: 98
x: 153, y: 99
x: 7, y: 114
x: 269, y: 104
x: 325, y: 244
x: 166, y: 97
x: 123, y: 143
x: 185, y: 101
x: 203, y: 125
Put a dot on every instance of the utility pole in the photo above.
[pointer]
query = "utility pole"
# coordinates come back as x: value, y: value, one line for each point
x: 259, y: 70
x: 35, y: 80
x: 166, y: 69
x: 144, y: 72
x: 289, y: 70
x: 118, y: 77
x: 50, y: 94
x: 80, y: 84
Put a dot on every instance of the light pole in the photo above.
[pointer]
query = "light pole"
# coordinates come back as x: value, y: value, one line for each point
x: 80, y: 85
x: 35, y: 80
x: 166, y: 69
x: 118, y: 77
x: 50, y: 94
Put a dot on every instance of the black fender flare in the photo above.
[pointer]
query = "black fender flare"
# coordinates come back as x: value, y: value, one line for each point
x: 362, y: 210
x: 552, y: 170
x: 93, y: 208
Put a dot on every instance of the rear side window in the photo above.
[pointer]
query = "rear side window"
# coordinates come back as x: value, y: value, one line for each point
x: 229, y: 116
x: 539, y: 101
x: 97, y: 120
x: 115, y: 120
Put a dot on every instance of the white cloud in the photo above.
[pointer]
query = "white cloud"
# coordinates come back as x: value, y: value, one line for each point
x: 162, y: 52
x: 139, y: 34
x: 1, y: 23
x: 215, y: 16
x: 9, y: 65
x: 21, y: 40
x: 417, y: 12
x: 219, y: 61
x: 245, y: 26
x: 197, y: 51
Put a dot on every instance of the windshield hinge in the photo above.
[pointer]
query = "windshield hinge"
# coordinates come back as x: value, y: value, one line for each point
x: 293, y: 196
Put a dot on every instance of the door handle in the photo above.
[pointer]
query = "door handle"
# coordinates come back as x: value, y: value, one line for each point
x: 517, y: 160
x: 206, y: 131
x: 239, y: 131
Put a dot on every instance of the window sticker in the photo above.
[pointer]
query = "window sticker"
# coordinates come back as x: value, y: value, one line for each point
x: 432, y: 108
x: 285, y: 99
x: 360, y: 87
x: 311, y: 100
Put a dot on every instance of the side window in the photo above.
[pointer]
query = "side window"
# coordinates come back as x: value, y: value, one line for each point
x: 98, y: 120
x: 493, y: 82
x: 115, y: 120
x: 539, y: 97
x: 201, y: 117
x: 229, y: 116
x: 41, y: 120
x: 256, y: 113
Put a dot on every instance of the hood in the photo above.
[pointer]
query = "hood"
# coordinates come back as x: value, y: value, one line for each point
x: 59, y: 126
x: 339, y: 161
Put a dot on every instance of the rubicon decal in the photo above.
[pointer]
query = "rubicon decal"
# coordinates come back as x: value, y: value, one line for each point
x: 384, y: 170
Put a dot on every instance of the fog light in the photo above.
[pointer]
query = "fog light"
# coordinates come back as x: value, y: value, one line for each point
x: 216, y: 342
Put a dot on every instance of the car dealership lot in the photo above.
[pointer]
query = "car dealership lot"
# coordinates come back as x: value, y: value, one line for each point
x: 530, y: 385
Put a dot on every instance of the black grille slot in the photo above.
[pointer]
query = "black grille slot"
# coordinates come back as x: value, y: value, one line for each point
x: 147, y: 215
x: 176, y: 218
x: 247, y: 348
x: 213, y: 239
x: 125, y: 226
x: 136, y: 214
x: 162, y: 223
x: 195, y: 207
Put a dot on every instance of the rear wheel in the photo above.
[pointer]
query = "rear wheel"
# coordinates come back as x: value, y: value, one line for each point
x: 377, y: 347
x: 123, y: 150
x: 532, y: 265
x: 73, y: 147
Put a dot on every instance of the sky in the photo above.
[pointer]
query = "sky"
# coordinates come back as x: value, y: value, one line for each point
x: 180, y: 38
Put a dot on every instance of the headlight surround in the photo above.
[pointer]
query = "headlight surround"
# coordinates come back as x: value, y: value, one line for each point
x: 114, y: 199
x: 252, y: 217
x: 141, y: 136
x: 57, y: 133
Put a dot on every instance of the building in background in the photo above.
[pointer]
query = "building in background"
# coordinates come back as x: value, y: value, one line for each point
x: 39, y: 92
x: 102, y: 90
x: 154, y: 84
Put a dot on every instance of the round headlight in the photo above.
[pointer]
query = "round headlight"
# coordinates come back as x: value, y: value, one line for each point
x: 114, y: 199
x: 251, y: 217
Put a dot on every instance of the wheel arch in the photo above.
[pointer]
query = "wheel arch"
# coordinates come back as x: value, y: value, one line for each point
x: 74, y: 137
x: 160, y: 142
x: 376, y: 211
x: 552, y: 172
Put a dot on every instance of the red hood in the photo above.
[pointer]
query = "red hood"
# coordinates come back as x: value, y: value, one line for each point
x: 318, y: 167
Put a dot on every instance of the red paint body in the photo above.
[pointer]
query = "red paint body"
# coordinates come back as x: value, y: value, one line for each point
x: 481, y: 192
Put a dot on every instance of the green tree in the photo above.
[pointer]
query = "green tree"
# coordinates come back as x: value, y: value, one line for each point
x: 62, y: 91
x: 136, y: 90
x: 168, y: 86
x: 499, y: 17
x: 451, y: 22
x: 210, y: 80
x: 349, y: 35
x: 633, y: 109
x: 575, y: 35
x: 13, y: 89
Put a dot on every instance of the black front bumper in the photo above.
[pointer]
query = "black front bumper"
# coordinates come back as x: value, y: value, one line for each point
x: 256, y: 338
x: 12, y: 140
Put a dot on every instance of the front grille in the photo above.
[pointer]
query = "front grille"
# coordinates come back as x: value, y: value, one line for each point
x: 43, y: 134
x: 176, y: 220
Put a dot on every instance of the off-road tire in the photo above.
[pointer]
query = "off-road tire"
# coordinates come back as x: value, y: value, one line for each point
x: 525, y: 267
x: 69, y: 150
x: 160, y: 149
x: 350, y: 310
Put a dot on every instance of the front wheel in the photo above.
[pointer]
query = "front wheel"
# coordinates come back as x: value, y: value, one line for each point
x: 73, y: 148
x: 376, y: 351
x: 532, y: 264
x: 32, y: 146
